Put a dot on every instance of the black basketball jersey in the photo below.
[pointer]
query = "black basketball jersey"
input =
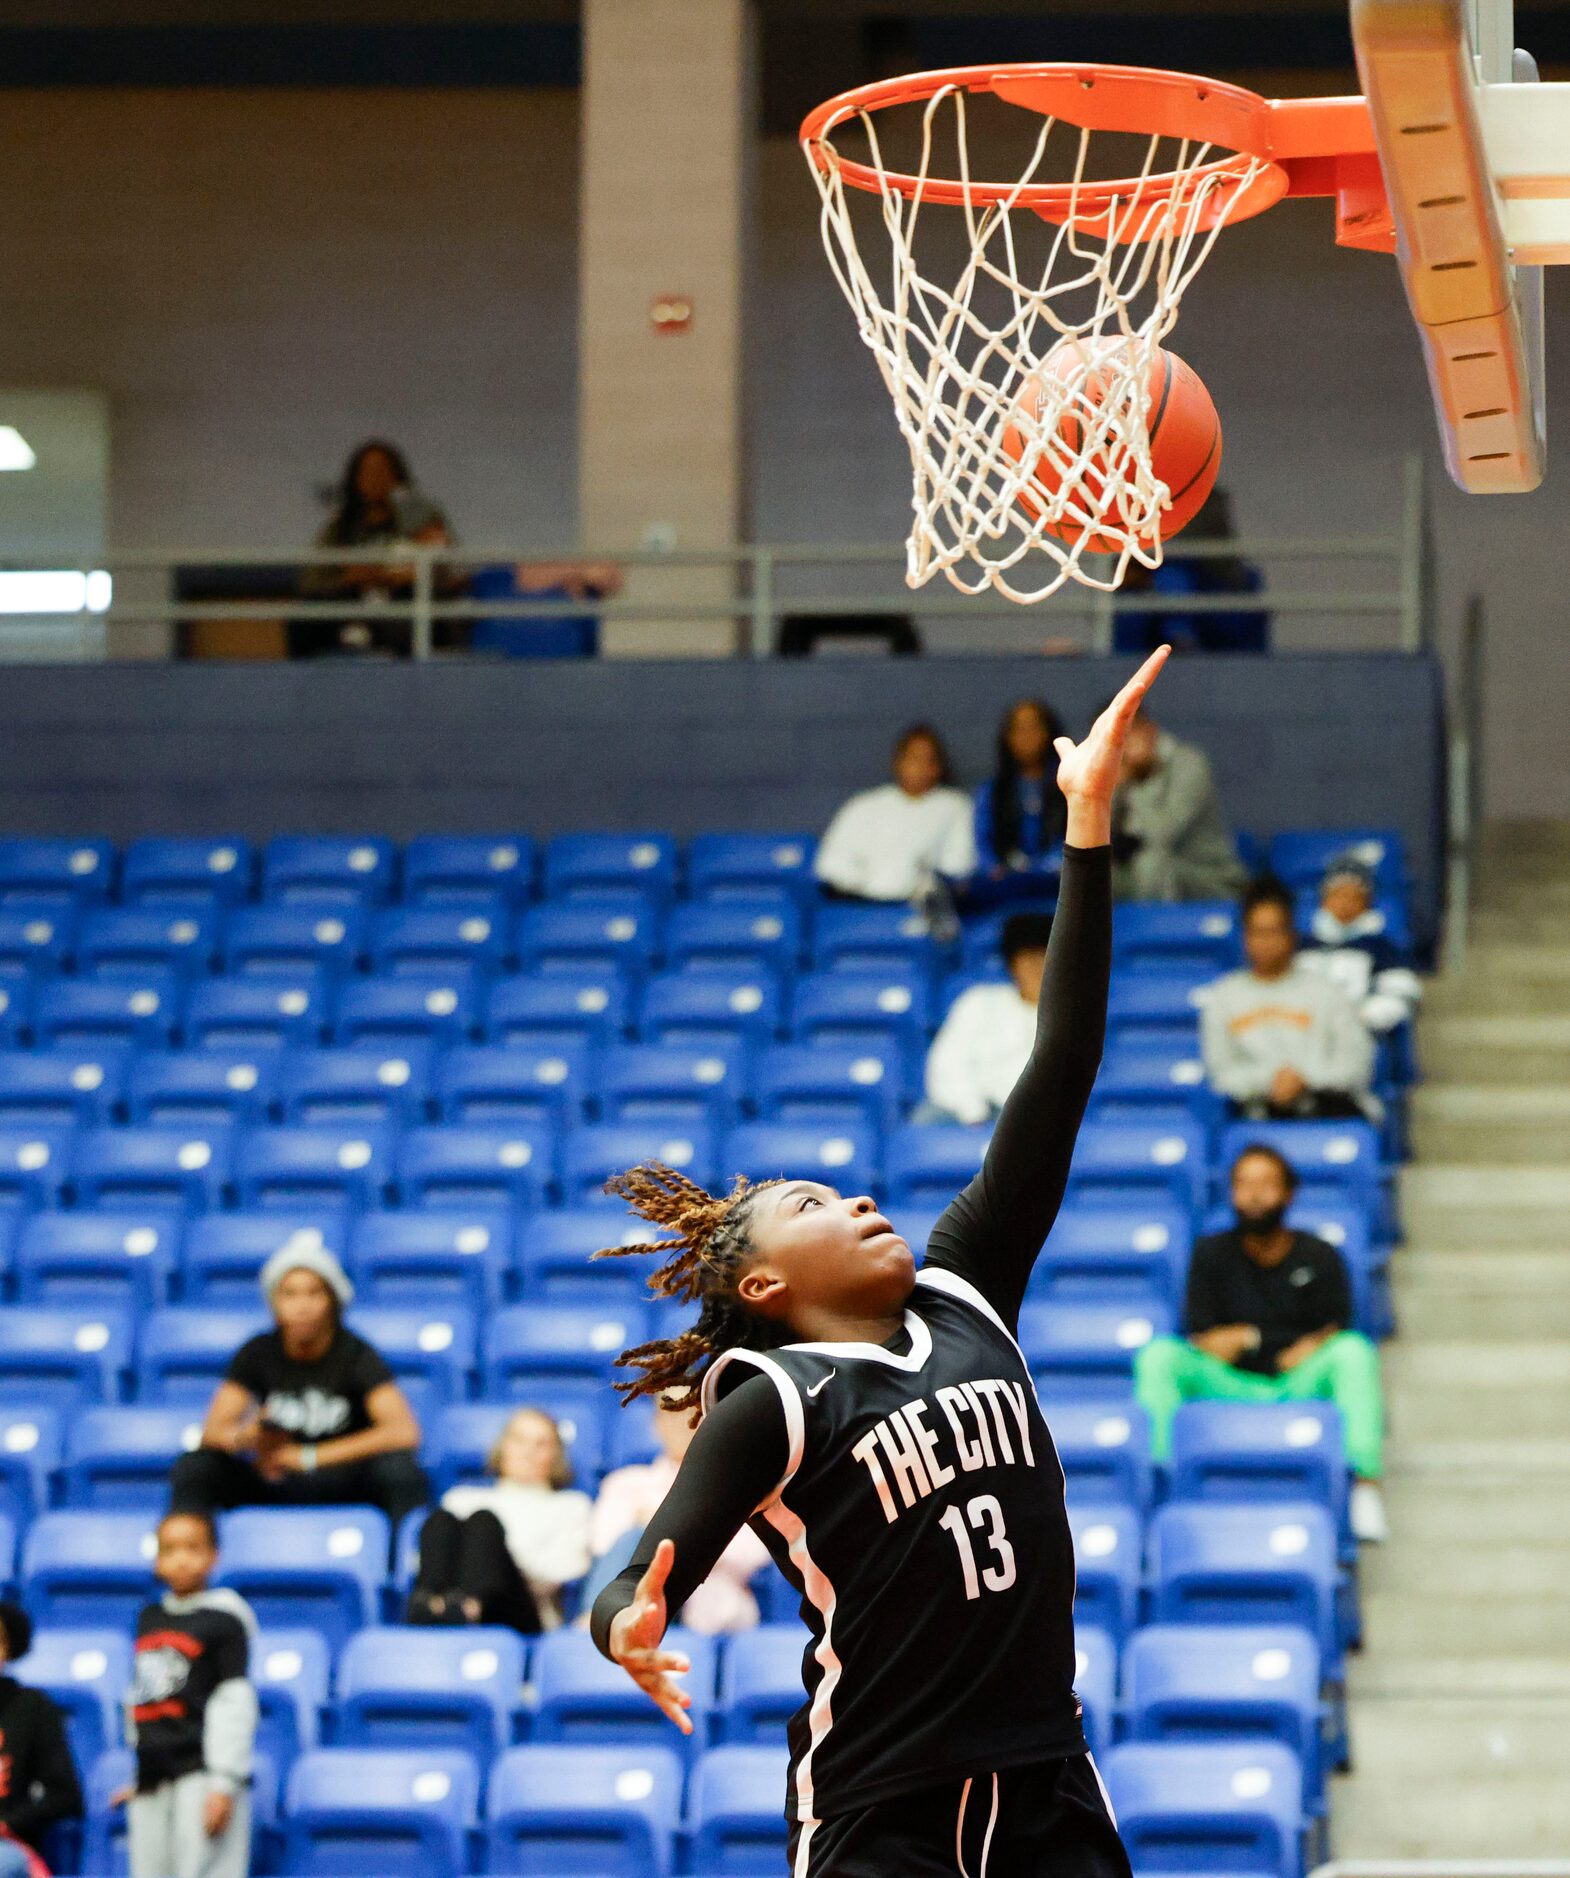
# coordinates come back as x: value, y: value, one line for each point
x: 921, y: 1518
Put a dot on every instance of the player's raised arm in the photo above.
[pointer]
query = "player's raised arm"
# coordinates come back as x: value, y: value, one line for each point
x: 993, y: 1231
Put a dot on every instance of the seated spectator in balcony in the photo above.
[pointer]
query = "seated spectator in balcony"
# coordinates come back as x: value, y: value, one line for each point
x: 894, y: 842
x: 569, y: 634
x: 308, y: 1414
x: 629, y: 1498
x: 377, y: 505
x: 1349, y: 943
x: 1020, y: 814
x: 1281, y: 1042
x: 985, y: 1041
x: 1268, y: 1319
x: 500, y: 1554
x: 38, y: 1780
x: 1170, y: 840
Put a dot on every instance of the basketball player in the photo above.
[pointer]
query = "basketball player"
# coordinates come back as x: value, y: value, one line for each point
x: 878, y: 1429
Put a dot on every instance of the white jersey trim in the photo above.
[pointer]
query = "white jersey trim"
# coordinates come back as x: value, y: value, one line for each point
x: 790, y: 1401
x: 936, y: 1278
x: 821, y: 1596
x: 914, y: 1358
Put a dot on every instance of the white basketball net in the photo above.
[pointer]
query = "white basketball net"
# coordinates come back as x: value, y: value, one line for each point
x: 956, y: 357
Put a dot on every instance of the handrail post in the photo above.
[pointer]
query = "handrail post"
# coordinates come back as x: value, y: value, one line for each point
x: 760, y: 627
x: 1464, y: 764
x: 1414, y: 556
x: 421, y: 636
x: 1103, y: 622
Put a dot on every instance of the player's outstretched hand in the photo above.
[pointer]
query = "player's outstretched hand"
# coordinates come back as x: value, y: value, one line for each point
x: 1089, y: 770
x: 635, y: 1641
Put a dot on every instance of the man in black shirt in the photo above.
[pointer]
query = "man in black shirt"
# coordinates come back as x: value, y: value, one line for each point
x: 1268, y: 1318
x: 38, y: 1780
x: 308, y: 1414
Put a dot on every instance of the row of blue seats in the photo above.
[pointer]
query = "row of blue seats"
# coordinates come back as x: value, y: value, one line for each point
x: 555, y: 1809
x: 448, y: 869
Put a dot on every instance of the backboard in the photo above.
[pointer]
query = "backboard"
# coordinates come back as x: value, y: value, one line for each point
x: 1476, y: 160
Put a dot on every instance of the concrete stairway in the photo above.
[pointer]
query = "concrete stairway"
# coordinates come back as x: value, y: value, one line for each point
x: 1461, y: 1697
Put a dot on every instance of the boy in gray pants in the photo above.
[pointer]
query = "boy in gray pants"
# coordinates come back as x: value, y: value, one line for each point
x: 192, y: 1716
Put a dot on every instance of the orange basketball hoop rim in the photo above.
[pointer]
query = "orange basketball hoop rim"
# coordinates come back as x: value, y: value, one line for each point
x: 1273, y: 148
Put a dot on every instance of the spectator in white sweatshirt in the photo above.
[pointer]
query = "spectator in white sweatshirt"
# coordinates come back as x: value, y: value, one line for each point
x: 892, y: 842
x: 1350, y: 943
x: 1281, y: 1042
x: 985, y: 1041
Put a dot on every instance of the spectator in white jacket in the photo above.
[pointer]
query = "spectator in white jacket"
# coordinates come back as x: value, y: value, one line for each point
x: 1350, y: 943
x: 985, y: 1041
x: 891, y: 843
x: 1281, y: 1042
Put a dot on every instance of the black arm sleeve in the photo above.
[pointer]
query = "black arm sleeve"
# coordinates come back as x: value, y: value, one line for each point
x: 991, y: 1232
x: 735, y: 1462
x: 53, y: 1772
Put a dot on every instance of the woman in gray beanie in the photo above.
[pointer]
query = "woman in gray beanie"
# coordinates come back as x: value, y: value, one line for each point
x: 308, y: 1414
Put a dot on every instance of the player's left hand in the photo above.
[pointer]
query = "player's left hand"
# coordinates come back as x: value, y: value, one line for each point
x: 217, y: 1811
x: 1089, y: 770
x: 635, y: 1638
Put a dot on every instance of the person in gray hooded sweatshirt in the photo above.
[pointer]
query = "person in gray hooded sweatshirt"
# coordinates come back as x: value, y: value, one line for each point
x: 308, y: 1414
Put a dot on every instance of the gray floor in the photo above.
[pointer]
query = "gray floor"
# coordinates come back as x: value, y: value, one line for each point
x: 1461, y: 1697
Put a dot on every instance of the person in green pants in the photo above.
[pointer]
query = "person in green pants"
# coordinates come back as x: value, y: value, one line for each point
x: 1268, y: 1316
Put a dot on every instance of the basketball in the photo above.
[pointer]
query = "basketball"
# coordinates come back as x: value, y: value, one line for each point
x: 1185, y: 443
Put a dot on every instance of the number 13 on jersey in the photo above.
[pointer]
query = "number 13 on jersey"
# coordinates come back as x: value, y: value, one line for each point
x: 983, y: 1511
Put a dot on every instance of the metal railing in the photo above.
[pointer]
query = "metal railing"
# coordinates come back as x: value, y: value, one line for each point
x: 1464, y: 785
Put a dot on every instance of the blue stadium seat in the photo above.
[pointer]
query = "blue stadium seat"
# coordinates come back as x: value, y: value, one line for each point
x: 737, y: 1821
x: 489, y: 1085
x: 281, y: 941
x: 1335, y: 1157
x: 81, y: 1259
x: 117, y: 1168
x: 730, y: 933
x: 91, y: 1013
x: 610, y: 1811
x: 1147, y: 1011
x: 824, y: 1082
x: 1085, y: 1352
x: 1260, y: 1451
x: 291, y: 1671
x: 760, y: 1683
x: 589, y: 1006
x: 433, y: 1260
x: 117, y: 1460
x: 584, y: 866
x: 510, y: 1164
x: 1105, y: 1451
x: 672, y: 1084
x: 589, y: 1156
x: 872, y: 939
x: 81, y: 1570
x: 1300, y: 856
x: 62, y: 1359
x: 982, y: 939
x: 927, y: 1166
x: 527, y: 1345
x: 581, y: 1696
x: 68, y: 870
x: 1193, y: 935
x: 37, y: 939
x: 240, y: 1014
x: 424, y: 939
x: 10, y: 1573
x: 1095, y: 1683
x: 578, y: 936
x: 1251, y: 1563
x: 346, y: 1086
x: 435, y: 1344
x: 463, y: 1434
x: 1193, y: 1682
x: 35, y: 1165
x: 1158, y: 1087
x: 315, y: 869
x: 1115, y: 1254
x: 183, y: 871
x: 462, y: 870
x: 397, y: 1812
x: 295, y: 1168
x: 316, y: 1567
x: 733, y: 866
x: 1108, y: 1568
x: 16, y: 1011
x: 224, y: 1252
x: 129, y: 942
x: 555, y: 1259
x: 843, y: 1156
x: 631, y: 1438
x: 914, y: 1225
x: 86, y: 1672
x: 60, y: 1088
x: 381, y: 1013
x: 185, y: 1352
x: 1114, y: 1161
x: 737, y: 1005
x: 195, y: 1088
x: 30, y: 1446
x: 425, y: 1688
x: 1224, y: 1806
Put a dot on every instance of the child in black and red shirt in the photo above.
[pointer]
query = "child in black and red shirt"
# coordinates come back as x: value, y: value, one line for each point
x: 38, y: 1781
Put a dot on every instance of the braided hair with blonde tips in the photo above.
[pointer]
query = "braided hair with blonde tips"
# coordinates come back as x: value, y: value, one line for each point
x: 701, y: 1262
